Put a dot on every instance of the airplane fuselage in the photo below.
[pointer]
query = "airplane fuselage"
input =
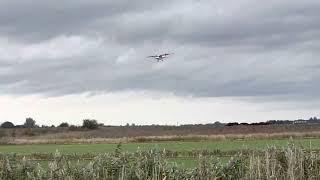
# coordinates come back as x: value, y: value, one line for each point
x: 160, y: 57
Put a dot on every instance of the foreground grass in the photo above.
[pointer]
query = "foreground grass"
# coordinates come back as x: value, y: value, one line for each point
x: 290, y: 162
x: 182, y: 162
x: 225, y: 145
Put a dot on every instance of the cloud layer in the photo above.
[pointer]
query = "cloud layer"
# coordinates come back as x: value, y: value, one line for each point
x: 222, y: 48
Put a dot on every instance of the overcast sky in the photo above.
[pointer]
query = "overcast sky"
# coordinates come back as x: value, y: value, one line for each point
x: 242, y: 60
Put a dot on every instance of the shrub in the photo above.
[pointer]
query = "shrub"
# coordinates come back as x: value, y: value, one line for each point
x: 64, y: 124
x: 30, y: 123
x: 90, y: 124
x: 74, y: 128
x: 7, y: 124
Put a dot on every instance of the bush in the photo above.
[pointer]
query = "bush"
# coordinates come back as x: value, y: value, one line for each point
x: 90, y: 124
x: 30, y: 123
x: 64, y: 124
x: 7, y: 124
x: 74, y: 128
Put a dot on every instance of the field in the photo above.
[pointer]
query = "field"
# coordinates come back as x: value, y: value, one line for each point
x: 229, y: 159
x: 183, y: 150
x: 58, y: 155
x: 222, y: 145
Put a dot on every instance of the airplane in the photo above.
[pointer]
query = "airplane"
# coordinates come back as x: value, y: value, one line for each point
x: 160, y: 57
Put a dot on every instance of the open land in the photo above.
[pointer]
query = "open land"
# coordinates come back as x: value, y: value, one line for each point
x: 187, y: 148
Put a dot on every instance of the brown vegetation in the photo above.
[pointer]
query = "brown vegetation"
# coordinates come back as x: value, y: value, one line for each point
x: 114, y: 134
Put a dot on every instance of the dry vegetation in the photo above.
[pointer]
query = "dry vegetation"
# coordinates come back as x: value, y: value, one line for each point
x: 115, y: 134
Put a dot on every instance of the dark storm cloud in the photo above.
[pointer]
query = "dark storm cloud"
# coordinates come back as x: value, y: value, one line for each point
x: 247, y: 48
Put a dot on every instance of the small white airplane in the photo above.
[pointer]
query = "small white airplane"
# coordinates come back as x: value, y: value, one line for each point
x: 160, y: 57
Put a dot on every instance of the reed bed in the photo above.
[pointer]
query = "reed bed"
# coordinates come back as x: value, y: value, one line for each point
x: 291, y: 163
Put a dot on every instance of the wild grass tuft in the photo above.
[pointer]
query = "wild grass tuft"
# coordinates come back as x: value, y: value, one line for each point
x: 292, y: 162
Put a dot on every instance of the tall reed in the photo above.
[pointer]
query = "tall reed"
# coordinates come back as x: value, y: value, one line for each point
x: 290, y: 163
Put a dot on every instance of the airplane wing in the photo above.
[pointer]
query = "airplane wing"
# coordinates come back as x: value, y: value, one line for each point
x: 166, y: 54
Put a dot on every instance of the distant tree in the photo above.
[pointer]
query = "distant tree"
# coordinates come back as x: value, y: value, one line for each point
x: 272, y: 122
x: 73, y: 128
x: 90, y: 124
x: 30, y: 123
x: 64, y: 124
x: 313, y: 120
x: 19, y: 126
x: 7, y: 124
x: 217, y: 124
x: 233, y: 124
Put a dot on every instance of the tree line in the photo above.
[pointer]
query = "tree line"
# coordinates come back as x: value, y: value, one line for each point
x: 93, y: 124
x: 312, y: 120
x: 31, y: 123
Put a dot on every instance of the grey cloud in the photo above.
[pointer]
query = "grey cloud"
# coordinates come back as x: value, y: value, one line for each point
x: 264, y: 26
x: 256, y: 49
x: 40, y: 20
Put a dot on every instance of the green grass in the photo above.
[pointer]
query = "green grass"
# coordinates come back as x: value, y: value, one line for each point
x: 184, y: 162
x: 291, y: 162
x: 225, y: 145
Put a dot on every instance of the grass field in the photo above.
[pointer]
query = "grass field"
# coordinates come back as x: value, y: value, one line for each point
x: 225, y: 145
x: 82, y: 160
x: 291, y: 162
